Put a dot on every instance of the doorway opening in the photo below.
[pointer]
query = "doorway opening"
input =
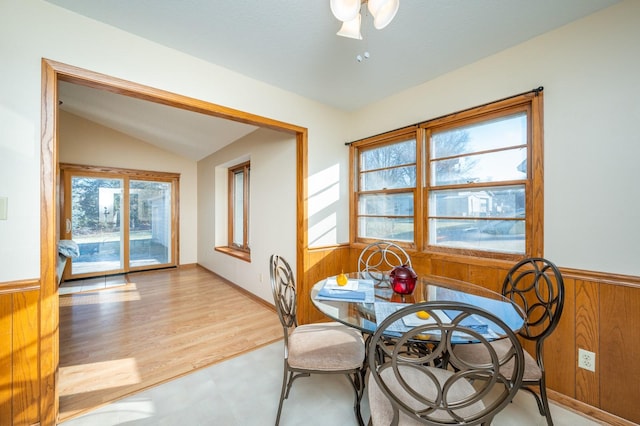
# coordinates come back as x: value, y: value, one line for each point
x: 52, y: 73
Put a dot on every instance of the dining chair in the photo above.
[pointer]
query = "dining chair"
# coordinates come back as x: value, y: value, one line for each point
x: 324, y: 348
x: 377, y: 260
x: 409, y: 387
x: 536, y: 285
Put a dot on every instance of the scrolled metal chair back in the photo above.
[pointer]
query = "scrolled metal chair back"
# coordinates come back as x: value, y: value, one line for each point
x: 536, y: 285
x: 283, y: 287
x: 378, y: 259
x: 432, y: 385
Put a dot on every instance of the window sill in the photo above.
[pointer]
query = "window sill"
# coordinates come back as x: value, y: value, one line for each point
x: 242, y: 255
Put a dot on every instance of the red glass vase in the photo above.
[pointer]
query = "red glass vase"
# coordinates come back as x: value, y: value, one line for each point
x: 403, y: 279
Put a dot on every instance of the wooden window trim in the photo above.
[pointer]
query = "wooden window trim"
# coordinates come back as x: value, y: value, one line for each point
x: 232, y: 249
x: 239, y: 254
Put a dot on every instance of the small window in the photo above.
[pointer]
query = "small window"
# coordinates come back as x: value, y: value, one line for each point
x: 239, y: 207
x: 386, y: 191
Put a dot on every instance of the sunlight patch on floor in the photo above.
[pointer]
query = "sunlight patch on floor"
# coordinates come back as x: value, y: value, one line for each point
x: 92, y: 284
x: 127, y: 293
x: 123, y: 372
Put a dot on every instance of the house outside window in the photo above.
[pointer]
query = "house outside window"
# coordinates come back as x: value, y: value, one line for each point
x: 468, y: 183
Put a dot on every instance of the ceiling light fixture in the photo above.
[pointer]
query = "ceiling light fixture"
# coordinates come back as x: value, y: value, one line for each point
x: 348, y: 11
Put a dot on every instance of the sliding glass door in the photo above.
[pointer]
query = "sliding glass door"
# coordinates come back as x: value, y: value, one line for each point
x: 122, y: 220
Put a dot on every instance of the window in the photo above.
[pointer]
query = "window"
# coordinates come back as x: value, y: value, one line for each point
x: 386, y: 190
x: 468, y: 183
x: 239, y: 207
x: 476, y: 186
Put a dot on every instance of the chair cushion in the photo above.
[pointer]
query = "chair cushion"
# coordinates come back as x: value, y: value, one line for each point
x: 326, y: 347
x: 382, y: 410
x: 476, y: 354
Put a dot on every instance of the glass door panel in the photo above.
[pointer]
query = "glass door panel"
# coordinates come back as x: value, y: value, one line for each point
x: 149, y: 223
x: 96, y: 224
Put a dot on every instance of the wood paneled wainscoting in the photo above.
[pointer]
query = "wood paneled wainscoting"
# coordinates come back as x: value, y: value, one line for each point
x: 601, y: 314
x: 19, y: 353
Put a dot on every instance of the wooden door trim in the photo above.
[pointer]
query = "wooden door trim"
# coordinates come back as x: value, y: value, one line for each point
x: 52, y: 72
x: 48, y: 355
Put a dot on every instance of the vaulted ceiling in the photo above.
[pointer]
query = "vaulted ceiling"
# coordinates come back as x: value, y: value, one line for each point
x: 292, y: 44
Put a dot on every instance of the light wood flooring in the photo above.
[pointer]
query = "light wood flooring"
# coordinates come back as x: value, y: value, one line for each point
x: 158, y: 326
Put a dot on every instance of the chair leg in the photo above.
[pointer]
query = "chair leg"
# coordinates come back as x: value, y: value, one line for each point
x: 541, y: 400
x: 545, y: 402
x: 282, y: 392
x: 357, y: 382
x: 356, y: 379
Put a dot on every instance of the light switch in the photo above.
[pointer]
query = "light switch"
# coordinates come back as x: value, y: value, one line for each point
x: 3, y: 208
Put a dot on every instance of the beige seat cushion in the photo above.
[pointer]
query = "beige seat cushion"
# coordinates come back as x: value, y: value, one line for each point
x: 476, y: 354
x: 327, y: 346
x: 381, y: 408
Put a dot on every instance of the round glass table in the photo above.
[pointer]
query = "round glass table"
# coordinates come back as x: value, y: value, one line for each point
x: 364, y: 303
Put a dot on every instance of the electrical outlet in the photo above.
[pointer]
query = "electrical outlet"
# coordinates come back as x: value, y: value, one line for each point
x: 587, y: 360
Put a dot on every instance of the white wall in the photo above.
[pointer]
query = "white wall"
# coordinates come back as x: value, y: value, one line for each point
x: 33, y: 29
x: 85, y: 142
x: 590, y: 71
x: 272, y: 209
